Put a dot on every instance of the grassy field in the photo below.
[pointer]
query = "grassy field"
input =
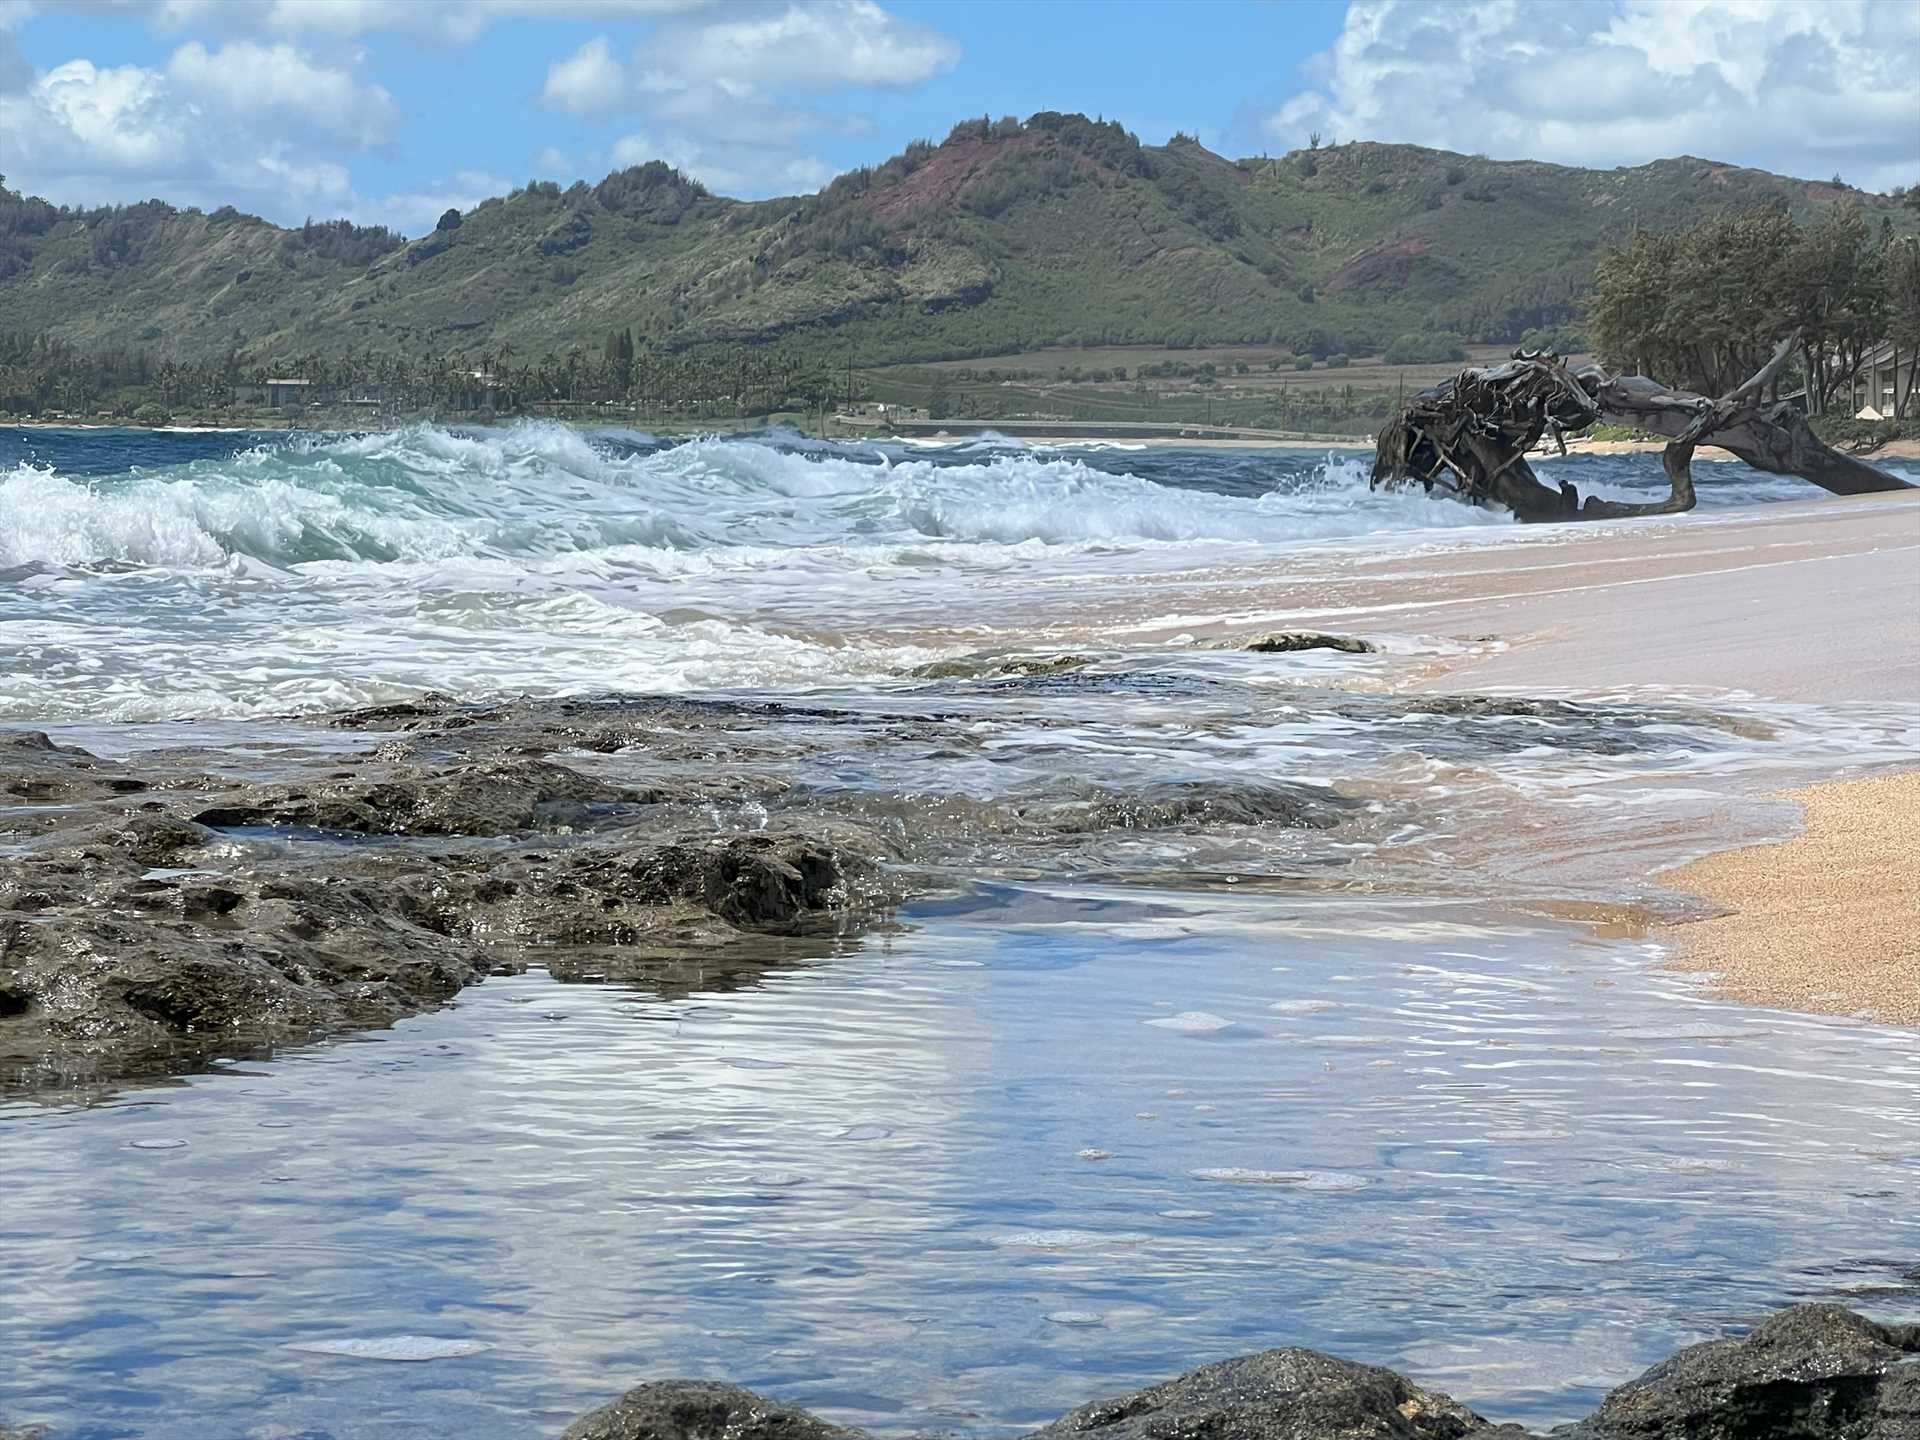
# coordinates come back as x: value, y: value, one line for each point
x: 1269, y: 393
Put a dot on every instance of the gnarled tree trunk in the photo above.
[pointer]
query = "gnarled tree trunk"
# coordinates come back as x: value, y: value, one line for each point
x: 1471, y: 435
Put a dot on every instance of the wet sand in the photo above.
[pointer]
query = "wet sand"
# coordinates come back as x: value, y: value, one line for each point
x: 1815, y: 602
x: 1828, y: 920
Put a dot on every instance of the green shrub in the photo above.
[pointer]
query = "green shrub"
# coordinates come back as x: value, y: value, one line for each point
x: 1845, y: 431
x: 1425, y: 349
x: 151, y: 414
x: 1303, y: 362
x: 1338, y: 362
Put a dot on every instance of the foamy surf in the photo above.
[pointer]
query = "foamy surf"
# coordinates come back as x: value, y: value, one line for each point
x: 322, y: 570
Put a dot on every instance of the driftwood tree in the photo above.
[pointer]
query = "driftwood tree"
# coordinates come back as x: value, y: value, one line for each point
x: 1471, y: 435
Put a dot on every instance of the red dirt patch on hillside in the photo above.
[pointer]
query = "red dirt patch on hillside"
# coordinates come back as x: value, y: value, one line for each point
x: 1825, y: 190
x: 948, y: 171
x: 1383, y: 264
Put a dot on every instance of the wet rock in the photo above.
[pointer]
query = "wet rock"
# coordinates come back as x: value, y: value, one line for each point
x: 100, y: 959
x: 1812, y: 1372
x: 700, y: 1410
x: 501, y: 797
x: 1198, y: 803
x: 754, y: 879
x: 1277, y: 1395
x: 974, y: 667
x: 1280, y: 642
x: 193, y: 899
x: 157, y: 839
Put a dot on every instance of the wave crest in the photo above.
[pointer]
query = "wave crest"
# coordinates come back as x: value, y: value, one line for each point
x: 425, y: 493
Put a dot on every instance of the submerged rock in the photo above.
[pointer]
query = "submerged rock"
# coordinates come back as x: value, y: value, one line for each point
x: 502, y: 797
x: 974, y: 667
x: 180, y: 902
x: 1813, y: 1372
x: 1200, y: 803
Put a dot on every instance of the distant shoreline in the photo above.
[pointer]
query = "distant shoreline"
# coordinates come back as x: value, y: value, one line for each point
x: 963, y: 433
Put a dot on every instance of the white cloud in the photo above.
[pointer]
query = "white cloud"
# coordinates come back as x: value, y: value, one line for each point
x: 717, y: 94
x: 551, y: 162
x: 84, y: 134
x: 824, y: 45
x: 458, y: 22
x: 589, y: 81
x: 415, y: 212
x: 1800, y: 86
x: 726, y: 168
x: 261, y: 127
x: 252, y: 79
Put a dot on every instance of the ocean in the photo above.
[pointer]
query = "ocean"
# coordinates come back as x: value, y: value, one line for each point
x: 1224, y: 1000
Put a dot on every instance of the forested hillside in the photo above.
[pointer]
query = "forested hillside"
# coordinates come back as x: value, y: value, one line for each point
x: 1006, y: 236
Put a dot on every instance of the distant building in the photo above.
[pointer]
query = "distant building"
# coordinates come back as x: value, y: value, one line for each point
x: 275, y: 394
x: 1885, y: 380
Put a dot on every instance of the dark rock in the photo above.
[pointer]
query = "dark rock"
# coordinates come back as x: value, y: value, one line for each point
x: 1280, y: 642
x: 700, y: 1410
x: 1198, y: 803
x: 157, y: 839
x: 1277, y: 1395
x: 1812, y: 1372
x: 754, y: 879
x: 501, y: 797
x: 973, y: 667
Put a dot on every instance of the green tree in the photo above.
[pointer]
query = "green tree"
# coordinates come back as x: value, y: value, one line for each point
x: 1902, y: 277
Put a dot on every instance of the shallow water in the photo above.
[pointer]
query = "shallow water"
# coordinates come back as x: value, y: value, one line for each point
x: 957, y: 1177
x: 1148, y: 1075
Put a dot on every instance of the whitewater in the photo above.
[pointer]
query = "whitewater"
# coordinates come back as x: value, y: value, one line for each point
x: 156, y: 576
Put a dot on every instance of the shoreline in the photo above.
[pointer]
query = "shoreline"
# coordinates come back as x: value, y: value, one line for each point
x: 970, y: 432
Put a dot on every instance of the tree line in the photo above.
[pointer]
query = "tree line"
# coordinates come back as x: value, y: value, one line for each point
x: 1703, y: 308
x: 41, y: 373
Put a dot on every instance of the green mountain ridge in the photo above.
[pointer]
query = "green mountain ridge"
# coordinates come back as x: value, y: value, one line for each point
x: 1007, y: 236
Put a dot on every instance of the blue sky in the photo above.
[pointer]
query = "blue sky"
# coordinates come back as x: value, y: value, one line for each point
x: 392, y: 110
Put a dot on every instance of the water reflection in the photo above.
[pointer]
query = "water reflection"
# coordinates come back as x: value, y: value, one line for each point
x: 958, y: 1179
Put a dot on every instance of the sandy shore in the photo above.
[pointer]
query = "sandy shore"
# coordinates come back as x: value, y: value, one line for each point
x: 1815, y: 602
x: 1829, y: 920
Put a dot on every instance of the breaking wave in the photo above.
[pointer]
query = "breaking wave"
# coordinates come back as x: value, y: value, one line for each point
x: 534, y: 491
x: 206, y: 575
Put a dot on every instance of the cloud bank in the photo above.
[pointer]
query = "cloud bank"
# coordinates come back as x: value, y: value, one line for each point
x: 1807, y: 87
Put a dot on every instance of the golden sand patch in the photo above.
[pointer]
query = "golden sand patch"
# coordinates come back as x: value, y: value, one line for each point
x: 1829, y: 920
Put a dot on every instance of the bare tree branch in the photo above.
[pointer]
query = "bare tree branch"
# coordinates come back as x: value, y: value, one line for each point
x: 1470, y: 435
